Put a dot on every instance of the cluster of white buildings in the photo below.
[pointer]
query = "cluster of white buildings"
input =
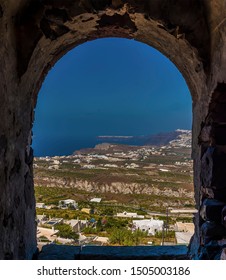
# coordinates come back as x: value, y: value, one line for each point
x: 183, y: 140
x: 85, y: 160
x: 66, y: 204
x: 51, y: 234
x: 88, y: 160
x: 183, y: 231
x: 63, y: 204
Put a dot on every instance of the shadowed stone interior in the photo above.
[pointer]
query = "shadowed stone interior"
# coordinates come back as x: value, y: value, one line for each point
x: 36, y: 34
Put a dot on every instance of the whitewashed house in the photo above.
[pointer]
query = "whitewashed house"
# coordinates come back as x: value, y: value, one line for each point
x: 96, y: 199
x: 151, y: 226
x: 77, y: 225
x: 54, y: 221
x: 68, y: 203
x: 184, y: 232
x: 40, y: 205
x: 41, y: 219
x: 129, y: 215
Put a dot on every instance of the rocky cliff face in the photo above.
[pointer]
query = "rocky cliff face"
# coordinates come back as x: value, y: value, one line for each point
x: 114, y: 187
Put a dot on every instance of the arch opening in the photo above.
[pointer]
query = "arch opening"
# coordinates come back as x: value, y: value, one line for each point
x: 120, y: 95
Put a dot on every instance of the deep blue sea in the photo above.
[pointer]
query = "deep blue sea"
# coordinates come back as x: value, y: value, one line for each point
x: 64, y: 146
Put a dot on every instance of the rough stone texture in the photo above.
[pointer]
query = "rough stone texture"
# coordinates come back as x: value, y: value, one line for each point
x: 62, y: 252
x: 59, y: 252
x: 113, y: 187
x: 36, y: 34
x: 212, y: 231
x: 211, y: 210
x: 223, y: 254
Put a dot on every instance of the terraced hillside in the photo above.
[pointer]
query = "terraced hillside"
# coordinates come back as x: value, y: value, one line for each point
x: 150, y: 177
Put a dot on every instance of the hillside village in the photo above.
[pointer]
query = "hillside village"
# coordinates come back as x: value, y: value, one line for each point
x: 155, y: 229
x: 95, y: 194
x: 120, y: 154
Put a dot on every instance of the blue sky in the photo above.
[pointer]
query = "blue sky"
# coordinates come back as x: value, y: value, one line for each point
x: 108, y: 87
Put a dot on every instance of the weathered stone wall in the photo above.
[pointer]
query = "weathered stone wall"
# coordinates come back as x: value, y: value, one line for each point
x: 35, y: 34
x: 64, y: 252
x: 17, y: 204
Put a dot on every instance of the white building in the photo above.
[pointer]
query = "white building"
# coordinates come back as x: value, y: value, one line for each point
x: 89, y: 166
x: 111, y: 165
x: 77, y: 225
x: 183, y: 238
x: 56, y: 162
x: 129, y: 215
x: 54, y: 221
x: 40, y: 205
x: 185, y: 227
x: 151, y: 226
x: 184, y: 232
x: 132, y: 166
x: 96, y: 199
x: 62, y: 240
x: 50, y: 234
x: 40, y: 219
x: 68, y: 203
x: 54, y: 167
x: 183, y: 211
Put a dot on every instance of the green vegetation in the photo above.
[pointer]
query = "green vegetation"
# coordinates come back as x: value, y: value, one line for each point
x: 126, y: 237
x: 43, y: 239
x: 139, y: 203
x: 90, y: 230
x: 65, y: 231
x: 169, y: 234
x: 62, y: 213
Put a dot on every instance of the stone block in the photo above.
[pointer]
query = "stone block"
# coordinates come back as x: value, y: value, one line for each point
x: 223, y: 216
x: 223, y: 254
x: 218, y: 113
x: 58, y: 252
x: 207, y: 167
x: 205, y: 134
x: 210, y: 251
x: 213, y: 168
x: 212, y: 231
x: 221, y: 242
x: 218, y: 104
x: 219, y: 133
x: 218, y: 194
x: 211, y: 210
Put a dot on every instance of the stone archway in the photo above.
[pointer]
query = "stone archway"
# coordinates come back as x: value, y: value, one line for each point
x: 35, y: 34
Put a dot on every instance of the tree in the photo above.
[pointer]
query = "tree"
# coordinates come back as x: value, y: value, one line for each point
x: 65, y: 231
x: 126, y: 237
